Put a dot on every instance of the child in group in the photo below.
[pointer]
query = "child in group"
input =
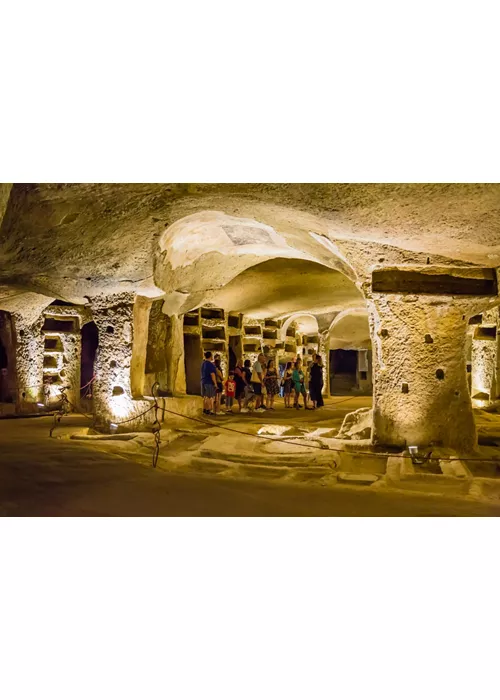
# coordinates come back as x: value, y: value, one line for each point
x: 230, y: 389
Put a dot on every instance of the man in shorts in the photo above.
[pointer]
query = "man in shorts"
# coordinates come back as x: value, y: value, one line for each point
x: 257, y: 382
x: 208, y: 384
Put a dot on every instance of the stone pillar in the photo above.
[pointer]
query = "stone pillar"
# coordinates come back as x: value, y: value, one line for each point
x: 174, y: 350
x: 71, y: 361
x: 143, y: 320
x: 29, y: 362
x: 324, y: 351
x: 420, y: 392
x: 113, y: 402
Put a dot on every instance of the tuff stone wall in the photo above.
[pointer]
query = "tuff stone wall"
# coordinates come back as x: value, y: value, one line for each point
x: 113, y: 402
x: 420, y: 395
x: 29, y: 362
x: 62, y: 351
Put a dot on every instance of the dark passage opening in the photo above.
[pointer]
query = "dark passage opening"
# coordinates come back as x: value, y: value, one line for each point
x: 7, y: 359
x: 3, y: 356
x: 90, y: 342
x: 192, y: 363
x: 343, y: 366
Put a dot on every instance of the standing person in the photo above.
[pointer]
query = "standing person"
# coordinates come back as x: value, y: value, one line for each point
x: 208, y: 384
x: 271, y: 384
x: 241, y: 382
x: 316, y: 382
x: 287, y: 384
x: 298, y: 381
x: 230, y: 388
x: 219, y: 377
x: 258, y: 373
x: 248, y: 391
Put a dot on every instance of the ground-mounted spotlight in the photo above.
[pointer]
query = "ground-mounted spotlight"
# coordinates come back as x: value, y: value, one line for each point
x: 417, y: 458
x: 41, y: 405
x: 113, y: 426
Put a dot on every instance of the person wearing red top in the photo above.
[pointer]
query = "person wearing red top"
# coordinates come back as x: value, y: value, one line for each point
x: 230, y: 388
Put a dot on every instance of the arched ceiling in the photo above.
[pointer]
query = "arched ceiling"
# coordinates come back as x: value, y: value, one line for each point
x: 350, y: 330
x: 283, y: 286
x: 77, y: 240
x: 304, y: 323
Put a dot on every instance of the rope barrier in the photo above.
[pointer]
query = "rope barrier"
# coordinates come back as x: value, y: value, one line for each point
x: 156, y: 427
x: 61, y: 412
x: 326, y: 447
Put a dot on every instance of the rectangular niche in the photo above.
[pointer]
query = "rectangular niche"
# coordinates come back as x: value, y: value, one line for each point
x: 279, y: 346
x: 214, y: 345
x: 312, y: 339
x: 251, y: 347
x: 269, y: 323
x: 234, y: 321
x: 52, y: 379
x: 290, y: 332
x: 191, y: 319
x: 253, y: 330
x: 64, y: 324
x: 485, y: 333
x: 214, y: 314
x: 479, y: 282
x: 53, y: 344
x: 290, y: 348
x: 476, y: 320
x: 50, y: 362
x: 217, y: 333
x: 269, y: 334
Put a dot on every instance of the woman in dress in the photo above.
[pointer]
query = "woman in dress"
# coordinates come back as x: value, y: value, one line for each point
x: 271, y: 384
x: 287, y: 384
x: 299, y: 385
x: 316, y: 382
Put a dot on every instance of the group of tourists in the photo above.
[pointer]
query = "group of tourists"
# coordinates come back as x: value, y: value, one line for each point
x: 256, y: 387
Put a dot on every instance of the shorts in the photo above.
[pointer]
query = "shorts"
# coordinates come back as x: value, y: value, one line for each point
x: 208, y: 391
x: 229, y: 401
x: 257, y: 388
x: 300, y: 389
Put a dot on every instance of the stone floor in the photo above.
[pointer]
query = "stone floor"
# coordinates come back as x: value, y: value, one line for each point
x: 58, y: 476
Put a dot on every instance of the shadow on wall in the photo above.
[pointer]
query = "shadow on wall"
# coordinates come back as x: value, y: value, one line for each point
x: 90, y: 343
x: 192, y: 362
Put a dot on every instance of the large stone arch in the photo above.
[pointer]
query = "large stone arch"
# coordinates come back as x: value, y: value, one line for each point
x: 205, y: 251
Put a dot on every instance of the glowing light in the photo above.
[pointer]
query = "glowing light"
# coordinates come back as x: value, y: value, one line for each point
x: 121, y: 406
x: 413, y: 449
x: 54, y: 391
x: 113, y: 425
x: 273, y: 429
x: 42, y: 405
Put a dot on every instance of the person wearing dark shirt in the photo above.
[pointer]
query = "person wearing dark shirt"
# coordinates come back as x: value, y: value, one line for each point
x: 241, y: 381
x: 208, y: 383
x: 316, y: 382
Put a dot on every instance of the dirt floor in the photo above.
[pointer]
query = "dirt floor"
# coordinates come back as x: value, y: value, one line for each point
x: 58, y: 476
